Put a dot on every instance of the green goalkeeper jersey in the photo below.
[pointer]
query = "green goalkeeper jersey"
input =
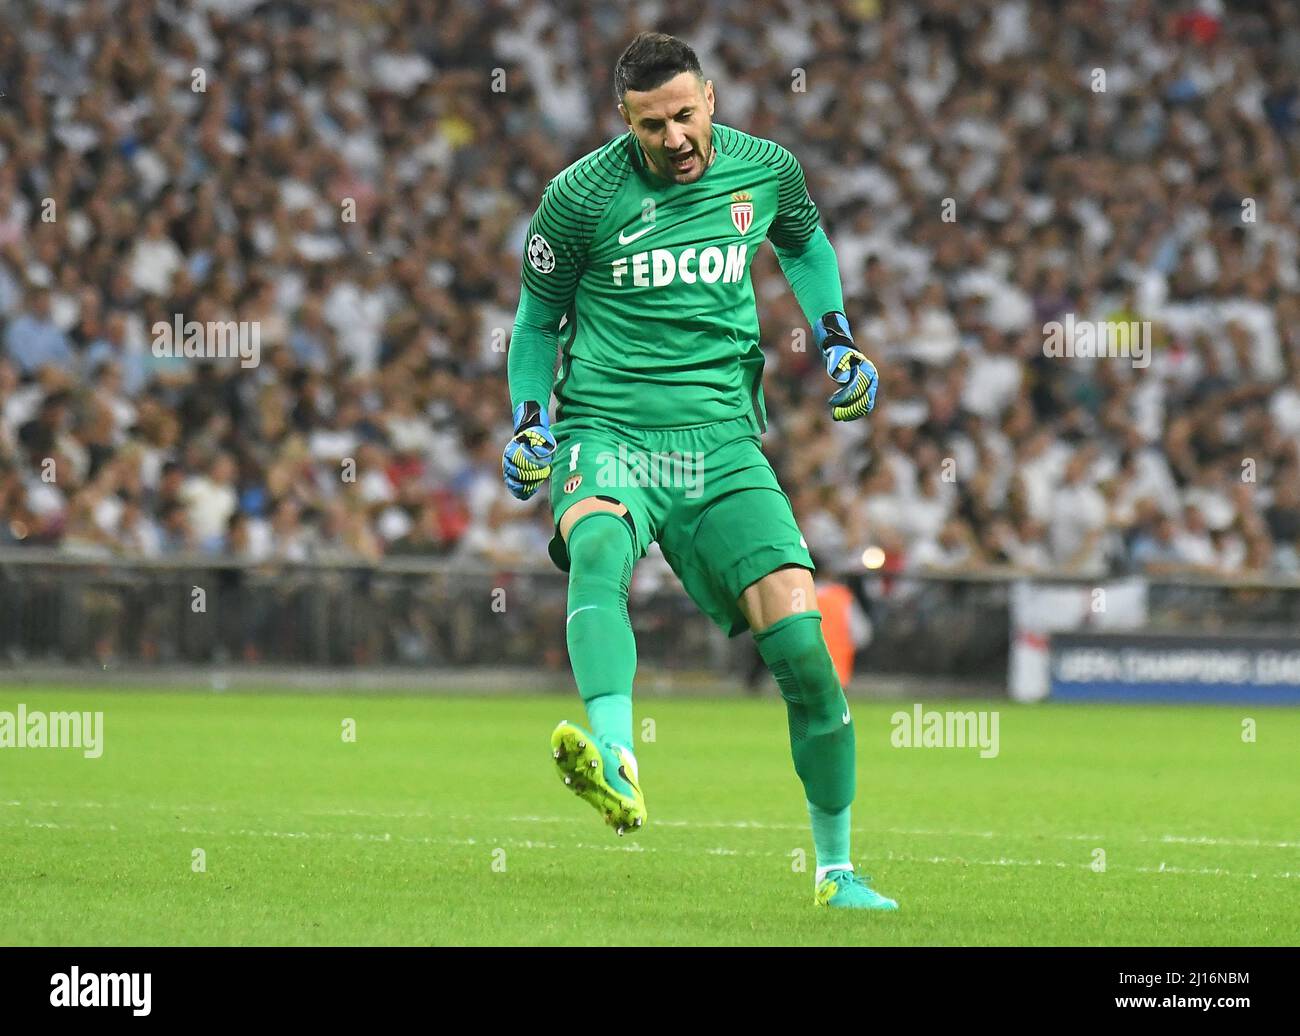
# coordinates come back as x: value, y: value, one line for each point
x: 652, y: 280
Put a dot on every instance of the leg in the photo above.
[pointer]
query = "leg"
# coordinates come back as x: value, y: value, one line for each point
x: 585, y: 507
x: 602, y: 649
x: 787, y: 591
x: 745, y: 563
x: 600, y: 545
x: 748, y: 568
x: 781, y: 609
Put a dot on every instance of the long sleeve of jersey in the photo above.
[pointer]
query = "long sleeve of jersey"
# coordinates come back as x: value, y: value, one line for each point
x: 530, y: 364
x: 801, y: 245
x: 554, y: 251
x: 814, y: 276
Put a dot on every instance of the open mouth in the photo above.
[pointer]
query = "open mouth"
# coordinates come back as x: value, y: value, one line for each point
x: 683, y: 163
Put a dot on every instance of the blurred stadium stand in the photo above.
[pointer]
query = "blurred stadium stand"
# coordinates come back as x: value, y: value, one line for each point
x: 127, y: 195
x: 442, y: 619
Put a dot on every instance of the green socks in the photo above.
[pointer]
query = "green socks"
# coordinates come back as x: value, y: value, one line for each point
x: 610, y: 718
x: 602, y: 649
x: 821, y: 729
x: 830, y: 830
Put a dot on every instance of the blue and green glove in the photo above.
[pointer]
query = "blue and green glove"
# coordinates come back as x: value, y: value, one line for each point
x: 526, y: 461
x: 849, y: 367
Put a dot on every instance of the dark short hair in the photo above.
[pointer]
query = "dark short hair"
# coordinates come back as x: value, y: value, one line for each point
x: 651, y: 60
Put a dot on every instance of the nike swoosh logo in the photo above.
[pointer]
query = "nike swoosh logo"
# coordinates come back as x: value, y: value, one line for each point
x: 626, y: 239
x: 627, y: 762
x: 845, y: 717
x: 575, y: 612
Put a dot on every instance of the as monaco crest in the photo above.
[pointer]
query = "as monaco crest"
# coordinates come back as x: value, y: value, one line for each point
x: 742, y: 210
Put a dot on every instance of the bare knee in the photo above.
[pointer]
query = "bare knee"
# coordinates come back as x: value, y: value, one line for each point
x: 787, y: 591
x: 582, y: 508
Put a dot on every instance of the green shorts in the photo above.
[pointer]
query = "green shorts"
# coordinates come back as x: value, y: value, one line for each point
x: 706, y: 494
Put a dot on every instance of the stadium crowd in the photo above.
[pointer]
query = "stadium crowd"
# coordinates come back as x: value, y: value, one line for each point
x: 356, y: 178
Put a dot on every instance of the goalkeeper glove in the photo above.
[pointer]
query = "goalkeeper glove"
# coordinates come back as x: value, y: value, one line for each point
x: 526, y: 461
x: 847, y: 366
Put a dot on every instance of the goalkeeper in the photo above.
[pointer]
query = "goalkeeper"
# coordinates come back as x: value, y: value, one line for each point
x: 636, y: 270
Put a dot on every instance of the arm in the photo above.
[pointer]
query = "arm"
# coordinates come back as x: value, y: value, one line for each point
x: 809, y: 264
x: 530, y: 363
x: 814, y: 276
x: 552, y: 260
x: 801, y: 245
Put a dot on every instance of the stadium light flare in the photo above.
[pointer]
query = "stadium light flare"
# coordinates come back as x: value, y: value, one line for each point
x: 873, y: 557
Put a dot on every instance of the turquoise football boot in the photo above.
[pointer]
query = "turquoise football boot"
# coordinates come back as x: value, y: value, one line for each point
x: 602, y: 774
x: 845, y: 889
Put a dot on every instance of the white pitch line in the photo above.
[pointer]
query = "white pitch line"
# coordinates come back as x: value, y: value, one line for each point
x: 736, y: 825
x: 514, y: 843
x: 1245, y: 843
x: 1002, y: 861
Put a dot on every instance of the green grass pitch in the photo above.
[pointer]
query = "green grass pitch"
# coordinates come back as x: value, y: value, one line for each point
x: 444, y: 823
